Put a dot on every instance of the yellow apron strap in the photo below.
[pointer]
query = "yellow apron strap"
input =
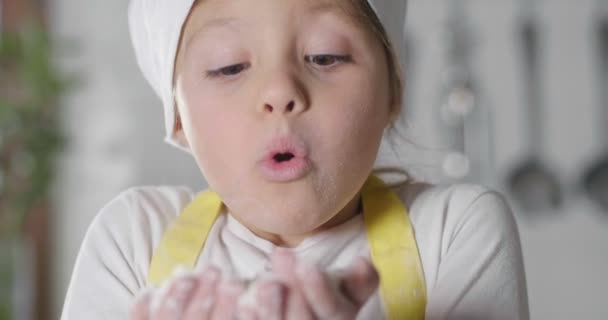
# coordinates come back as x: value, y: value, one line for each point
x: 182, y: 242
x: 390, y: 234
x: 394, y: 252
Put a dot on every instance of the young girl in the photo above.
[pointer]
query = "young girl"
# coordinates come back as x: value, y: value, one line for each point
x: 283, y: 105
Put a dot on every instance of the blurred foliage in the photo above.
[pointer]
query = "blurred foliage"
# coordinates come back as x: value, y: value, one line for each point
x: 30, y: 134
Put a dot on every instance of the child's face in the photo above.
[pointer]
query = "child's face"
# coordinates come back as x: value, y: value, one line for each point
x: 251, y: 72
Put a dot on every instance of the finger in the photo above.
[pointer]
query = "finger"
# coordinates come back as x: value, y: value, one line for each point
x: 325, y: 301
x: 177, y: 298
x: 360, y: 281
x: 296, y: 306
x: 203, y: 298
x: 140, y: 310
x: 271, y: 299
x: 283, y: 264
x: 227, y: 293
x: 247, y: 313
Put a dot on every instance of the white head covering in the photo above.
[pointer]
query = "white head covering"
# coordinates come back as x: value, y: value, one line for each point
x: 156, y: 26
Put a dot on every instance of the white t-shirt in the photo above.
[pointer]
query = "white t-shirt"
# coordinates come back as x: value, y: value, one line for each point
x: 467, y: 238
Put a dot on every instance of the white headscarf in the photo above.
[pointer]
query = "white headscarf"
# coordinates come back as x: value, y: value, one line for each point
x: 156, y: 26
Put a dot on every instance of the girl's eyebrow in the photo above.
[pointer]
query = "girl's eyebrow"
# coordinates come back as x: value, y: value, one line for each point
x: 333, y: 7
x: 232, y: 22
x: 218, y: 22
x: 327, y: 6
x: 223, y: 22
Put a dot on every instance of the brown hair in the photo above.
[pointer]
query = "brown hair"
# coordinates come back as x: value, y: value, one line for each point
x: 365, y: 15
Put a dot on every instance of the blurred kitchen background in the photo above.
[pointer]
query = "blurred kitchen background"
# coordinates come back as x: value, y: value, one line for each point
x: 509, y: 93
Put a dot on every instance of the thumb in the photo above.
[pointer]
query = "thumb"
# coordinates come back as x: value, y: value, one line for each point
x: 360, y: 281
x: 284, y: 265
x: 140, y: 310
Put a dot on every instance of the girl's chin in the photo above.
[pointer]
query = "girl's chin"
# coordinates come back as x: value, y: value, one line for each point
x: 281, y: 226
x: 286, y: 213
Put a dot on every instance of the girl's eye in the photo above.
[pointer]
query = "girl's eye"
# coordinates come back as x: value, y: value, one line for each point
x: 227, y: 71
x: 326, y: 60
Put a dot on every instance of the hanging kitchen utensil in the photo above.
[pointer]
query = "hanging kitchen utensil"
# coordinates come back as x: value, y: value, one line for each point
x: 454, y: 105
x: 465, y: 123
x: 595, y: 180
x: 532, y: 183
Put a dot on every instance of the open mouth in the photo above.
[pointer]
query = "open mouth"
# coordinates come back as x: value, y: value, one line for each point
x: 286, y: 160
x: 283, y: 157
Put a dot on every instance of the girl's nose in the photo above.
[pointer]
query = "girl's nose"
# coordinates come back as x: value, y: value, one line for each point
x: 284, y: 95
x: 288, y: 108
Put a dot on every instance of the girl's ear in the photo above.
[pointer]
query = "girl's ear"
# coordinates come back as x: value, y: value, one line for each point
x: 393, y: 115
x: 178, y: 130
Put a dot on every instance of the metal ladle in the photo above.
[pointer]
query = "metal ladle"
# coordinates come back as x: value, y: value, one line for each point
x: 595, y: 180
x: 458, y: 95
x: 532, y: 184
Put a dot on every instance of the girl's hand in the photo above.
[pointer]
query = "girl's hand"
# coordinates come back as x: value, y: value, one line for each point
x: 199, y: 296
x: 308, y: 293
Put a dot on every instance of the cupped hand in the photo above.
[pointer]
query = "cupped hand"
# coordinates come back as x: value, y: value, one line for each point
x: 305, y: 292
x: 202, y: 295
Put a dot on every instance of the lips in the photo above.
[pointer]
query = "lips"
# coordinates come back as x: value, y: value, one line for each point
x: 286, y: 159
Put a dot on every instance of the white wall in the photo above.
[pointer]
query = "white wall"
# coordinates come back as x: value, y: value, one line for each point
x: 114, y: 121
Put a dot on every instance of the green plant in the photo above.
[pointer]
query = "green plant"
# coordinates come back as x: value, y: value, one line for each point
x: 30, y: 134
